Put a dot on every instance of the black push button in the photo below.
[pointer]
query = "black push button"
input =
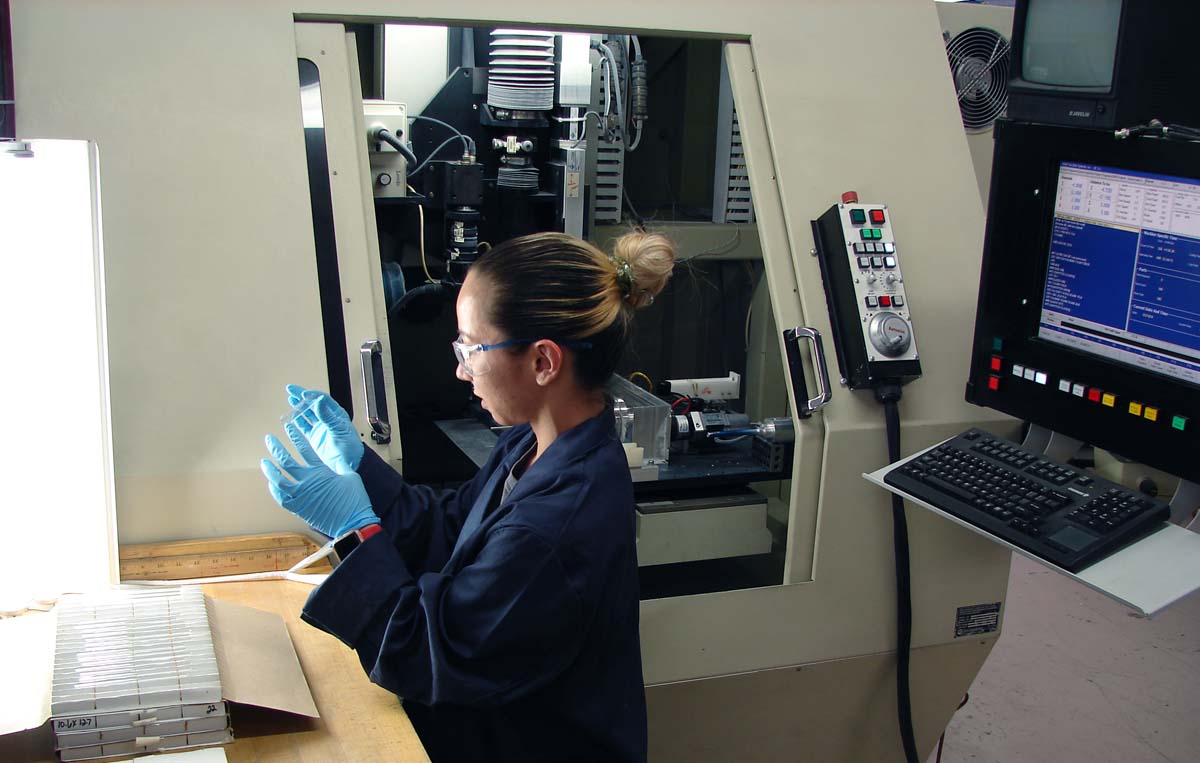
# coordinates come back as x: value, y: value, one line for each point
x: 858, y: 216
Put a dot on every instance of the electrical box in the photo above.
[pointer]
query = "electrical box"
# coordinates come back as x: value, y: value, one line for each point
x: 389, y: 169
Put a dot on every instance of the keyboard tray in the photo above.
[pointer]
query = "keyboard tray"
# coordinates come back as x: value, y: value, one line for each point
x: 1157, y: 567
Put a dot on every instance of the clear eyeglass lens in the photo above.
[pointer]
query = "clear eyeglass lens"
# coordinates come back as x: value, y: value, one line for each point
x: 468, y: 357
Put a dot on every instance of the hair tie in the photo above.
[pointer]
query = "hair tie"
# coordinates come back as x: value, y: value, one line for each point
x: 624, y: 275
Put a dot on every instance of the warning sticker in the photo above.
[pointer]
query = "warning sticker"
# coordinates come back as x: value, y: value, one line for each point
x: 976, y: 620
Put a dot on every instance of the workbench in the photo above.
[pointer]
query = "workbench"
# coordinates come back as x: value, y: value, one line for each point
x: 359, y: 721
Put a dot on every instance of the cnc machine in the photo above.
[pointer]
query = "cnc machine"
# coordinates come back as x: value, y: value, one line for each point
x: 264, y: 225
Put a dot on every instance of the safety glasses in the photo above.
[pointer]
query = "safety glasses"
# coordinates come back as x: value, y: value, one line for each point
x: 474, y: 360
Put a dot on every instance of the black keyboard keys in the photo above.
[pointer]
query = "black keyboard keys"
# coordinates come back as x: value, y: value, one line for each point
x: 1052, y: 510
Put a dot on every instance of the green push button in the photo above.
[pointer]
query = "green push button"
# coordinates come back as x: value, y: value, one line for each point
x: 858, y: 216
x: 997, y: 344
x: 1179, y: 422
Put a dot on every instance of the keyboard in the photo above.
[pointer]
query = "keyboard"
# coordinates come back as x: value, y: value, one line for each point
x: 1056, y: 512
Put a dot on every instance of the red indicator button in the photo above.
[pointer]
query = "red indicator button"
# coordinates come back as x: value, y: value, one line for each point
x: 994, y: 383
x: 885, y: 301
x: 995, y: 363
x: 877, y: 216
x: 1094, y: 395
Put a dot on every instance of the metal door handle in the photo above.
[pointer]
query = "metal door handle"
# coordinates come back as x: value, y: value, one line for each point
x: 371, y: 355
x: 805, y: 405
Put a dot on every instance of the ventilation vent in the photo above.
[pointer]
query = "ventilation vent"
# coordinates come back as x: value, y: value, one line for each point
x: 610, y: 179
x: 610, y: 168
x: 731, y: 182
x: 979, y: 63
x: 739, y: 207
x: 521, y: 70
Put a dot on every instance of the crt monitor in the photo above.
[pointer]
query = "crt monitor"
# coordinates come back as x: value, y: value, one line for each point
x: 1103, y: 63
x: 1088, y: 320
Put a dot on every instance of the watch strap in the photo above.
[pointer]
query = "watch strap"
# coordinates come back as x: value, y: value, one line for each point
x: 366, y: 532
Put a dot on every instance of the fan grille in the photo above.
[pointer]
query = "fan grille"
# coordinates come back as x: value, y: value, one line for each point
x: 979, y: 61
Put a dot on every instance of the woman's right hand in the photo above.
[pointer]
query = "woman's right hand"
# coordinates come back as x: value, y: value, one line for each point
x: 331, y: 503
x: 328, y: 428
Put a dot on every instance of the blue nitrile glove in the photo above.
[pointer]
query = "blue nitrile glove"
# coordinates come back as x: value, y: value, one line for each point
x: 328, y: 428
x: 333, y: 504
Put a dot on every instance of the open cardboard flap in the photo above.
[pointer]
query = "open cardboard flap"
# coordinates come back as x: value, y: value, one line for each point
x: 255, y: 655
x: 257, y: 661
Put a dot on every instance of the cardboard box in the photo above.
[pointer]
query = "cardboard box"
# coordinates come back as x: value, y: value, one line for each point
x: 255, y: 657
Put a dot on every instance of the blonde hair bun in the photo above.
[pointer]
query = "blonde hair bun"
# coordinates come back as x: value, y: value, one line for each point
x: 651, y: 258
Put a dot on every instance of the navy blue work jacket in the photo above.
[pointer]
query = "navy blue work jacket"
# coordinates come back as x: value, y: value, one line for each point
x: 515, y: 626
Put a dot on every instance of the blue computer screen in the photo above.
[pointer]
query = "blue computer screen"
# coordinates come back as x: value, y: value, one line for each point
x: 1123, y: 277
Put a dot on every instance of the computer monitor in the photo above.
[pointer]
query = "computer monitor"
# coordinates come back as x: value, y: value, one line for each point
x: 1103, y: 63
x: 1088, y: 320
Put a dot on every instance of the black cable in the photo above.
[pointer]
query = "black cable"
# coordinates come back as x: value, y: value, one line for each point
x: 392, y: 140
x: 1157, y: 129
x: 641, y: 221
x: 468, y: 141
x: 889, y: 395
x: 433, y: 154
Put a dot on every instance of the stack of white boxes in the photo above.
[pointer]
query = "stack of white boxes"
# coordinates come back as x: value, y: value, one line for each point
x: 135, y: 672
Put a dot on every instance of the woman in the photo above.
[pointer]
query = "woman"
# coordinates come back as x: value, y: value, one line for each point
x: 505, y: 613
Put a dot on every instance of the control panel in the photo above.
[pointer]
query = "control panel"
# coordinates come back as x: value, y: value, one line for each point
x: 864, y: 285
x: 389, y: 170
x: 1135, y: 411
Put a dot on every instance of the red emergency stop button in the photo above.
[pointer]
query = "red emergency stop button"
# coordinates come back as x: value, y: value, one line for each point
x: 877, y: 217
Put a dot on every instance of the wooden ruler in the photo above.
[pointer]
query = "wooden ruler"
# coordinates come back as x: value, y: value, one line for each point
x: 234, y: 555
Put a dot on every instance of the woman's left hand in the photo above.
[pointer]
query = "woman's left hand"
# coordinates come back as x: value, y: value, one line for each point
x: 332, y: 503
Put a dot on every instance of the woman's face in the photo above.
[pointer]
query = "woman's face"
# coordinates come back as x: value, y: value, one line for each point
x: 507, y: 389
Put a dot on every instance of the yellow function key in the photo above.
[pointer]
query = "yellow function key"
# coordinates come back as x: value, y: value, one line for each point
x: 1109, y: 399
x: 1135, y: 409
x: 1150, y: 414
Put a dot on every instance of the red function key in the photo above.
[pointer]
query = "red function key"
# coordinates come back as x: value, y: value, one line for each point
x: 1094, y: 395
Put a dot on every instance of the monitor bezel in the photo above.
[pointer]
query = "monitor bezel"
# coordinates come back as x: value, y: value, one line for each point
x: 1012, y: 286
x: 1018, y: 81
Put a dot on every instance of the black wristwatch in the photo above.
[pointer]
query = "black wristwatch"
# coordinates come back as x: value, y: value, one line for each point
x: 350, y: 541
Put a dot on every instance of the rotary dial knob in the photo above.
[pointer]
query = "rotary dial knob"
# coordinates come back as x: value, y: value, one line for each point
x: 890, y: 334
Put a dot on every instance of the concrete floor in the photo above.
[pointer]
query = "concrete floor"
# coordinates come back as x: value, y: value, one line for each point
x: 1078, y: 677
